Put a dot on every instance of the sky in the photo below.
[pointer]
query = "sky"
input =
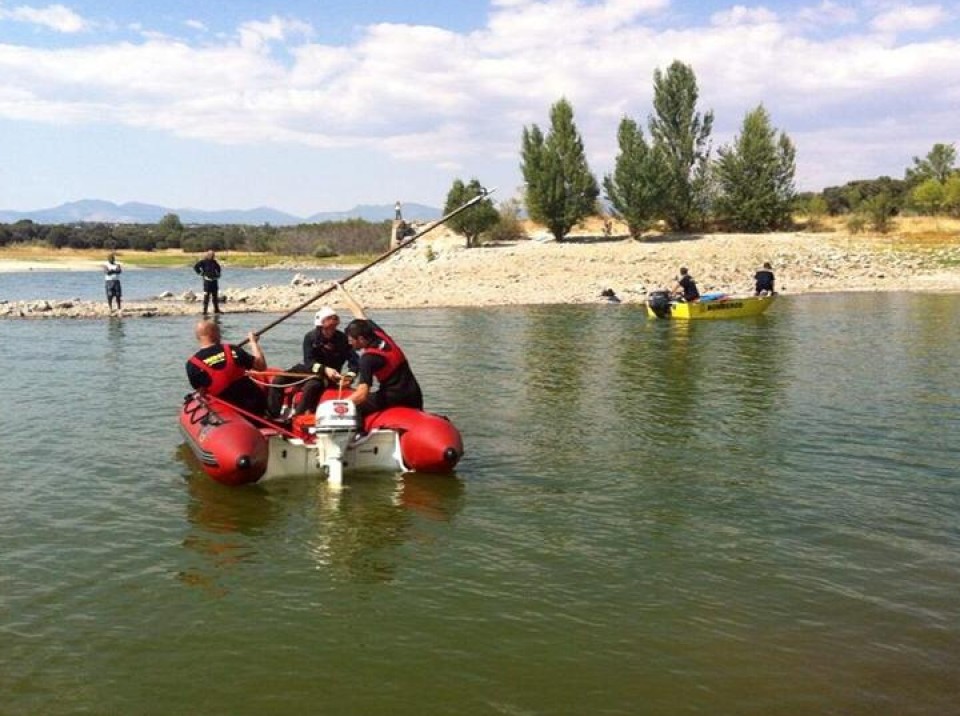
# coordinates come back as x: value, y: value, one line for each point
x: 320, y: 105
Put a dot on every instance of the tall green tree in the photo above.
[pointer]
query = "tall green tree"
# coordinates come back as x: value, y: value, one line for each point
x: 938, y: 164
x: 635, y: 189
x: 472, y: 222
x: 929, y: 196
x: 683, y: 135
x: 756, y: 176
x: 560, y: 189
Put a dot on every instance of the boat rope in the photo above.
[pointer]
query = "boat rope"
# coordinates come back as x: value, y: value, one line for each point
x: 254, y: 417
x: 267, y: 384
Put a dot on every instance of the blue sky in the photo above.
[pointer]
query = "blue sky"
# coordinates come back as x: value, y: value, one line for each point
x: 318, y: 105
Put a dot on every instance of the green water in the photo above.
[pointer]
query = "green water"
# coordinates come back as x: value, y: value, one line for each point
x: 740, y: 517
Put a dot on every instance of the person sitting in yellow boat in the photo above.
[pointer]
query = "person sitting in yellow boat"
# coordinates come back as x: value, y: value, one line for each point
x: 764, y: 279
x: 686, y: 287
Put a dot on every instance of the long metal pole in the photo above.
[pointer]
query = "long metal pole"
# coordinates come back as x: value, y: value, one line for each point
x: 403, y: 244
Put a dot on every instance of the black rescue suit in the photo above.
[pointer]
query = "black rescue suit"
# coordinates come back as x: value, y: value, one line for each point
x: 386, y: 362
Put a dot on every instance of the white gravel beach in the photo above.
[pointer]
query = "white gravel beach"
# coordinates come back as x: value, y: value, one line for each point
x: 438, y: 271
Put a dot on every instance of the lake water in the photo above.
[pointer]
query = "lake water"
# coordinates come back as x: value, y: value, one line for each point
x: 737, y: 517
x: 142, y: 284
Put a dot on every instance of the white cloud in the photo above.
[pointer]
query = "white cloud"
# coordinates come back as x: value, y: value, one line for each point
x: 53, y: 17
x: 459, y: 99
x: 740, y: 15
x: 909, y: 18
x: 256, y: 35
x: 827, y: 14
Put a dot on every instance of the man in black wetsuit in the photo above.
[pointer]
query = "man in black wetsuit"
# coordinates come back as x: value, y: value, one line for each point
x: 220, y: 369
x: 209, y: 268
x: 764, y: 280
x: 686, y: 286
x: 380, y: 358
x: 325, y: 351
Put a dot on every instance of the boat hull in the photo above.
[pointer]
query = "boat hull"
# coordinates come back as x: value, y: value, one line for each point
x: 232, y: 450
x: 229, y: 448
x: 726, y: 307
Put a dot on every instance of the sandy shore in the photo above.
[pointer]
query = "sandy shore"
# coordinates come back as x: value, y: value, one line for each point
x: 438, y: 271
x: 73, y: 264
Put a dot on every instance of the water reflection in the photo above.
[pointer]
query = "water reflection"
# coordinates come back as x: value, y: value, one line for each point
x: 353, y: 533
x: 116, y: 332
x: 357, y: 531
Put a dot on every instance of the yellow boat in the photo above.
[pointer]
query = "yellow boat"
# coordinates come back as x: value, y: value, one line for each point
x: 660, y: 305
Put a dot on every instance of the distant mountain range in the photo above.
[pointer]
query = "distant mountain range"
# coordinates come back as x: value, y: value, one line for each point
x: 95, y: 211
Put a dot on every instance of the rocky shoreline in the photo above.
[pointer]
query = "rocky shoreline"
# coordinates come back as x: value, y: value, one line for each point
x: 440, y: 272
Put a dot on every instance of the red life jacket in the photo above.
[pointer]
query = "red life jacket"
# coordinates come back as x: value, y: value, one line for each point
x: 392, y: 355
x: 222, y: 378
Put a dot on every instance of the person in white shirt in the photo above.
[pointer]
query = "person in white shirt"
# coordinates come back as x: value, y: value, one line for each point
x: 111, y: 274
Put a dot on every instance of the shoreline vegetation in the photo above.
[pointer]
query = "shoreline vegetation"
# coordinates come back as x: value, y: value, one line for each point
x: 921, y: 254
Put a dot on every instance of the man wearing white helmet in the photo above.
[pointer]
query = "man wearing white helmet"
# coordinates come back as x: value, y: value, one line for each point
x: 325, y: 351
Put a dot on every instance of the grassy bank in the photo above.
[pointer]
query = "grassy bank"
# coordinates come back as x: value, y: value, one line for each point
x: 169, y: 258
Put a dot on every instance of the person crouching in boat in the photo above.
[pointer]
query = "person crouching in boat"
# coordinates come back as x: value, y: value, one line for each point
x: 325, y: 352
x: 380, y: 358
x: 686, y: 287
x: 764, y: 280
x: 220, y: 370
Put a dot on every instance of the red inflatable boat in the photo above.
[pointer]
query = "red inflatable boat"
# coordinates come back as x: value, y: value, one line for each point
x: 235, y: 448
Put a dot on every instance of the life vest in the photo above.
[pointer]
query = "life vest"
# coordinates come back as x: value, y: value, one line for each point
x: 222, y: 378
x: 392, y: 355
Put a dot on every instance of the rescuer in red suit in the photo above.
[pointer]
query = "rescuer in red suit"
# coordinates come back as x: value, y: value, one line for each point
x: 380, y: 358
x: 220, y: 369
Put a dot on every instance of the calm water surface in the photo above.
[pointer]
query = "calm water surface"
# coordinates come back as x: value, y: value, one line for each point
x: 742, y: 517
x: 141, y: 284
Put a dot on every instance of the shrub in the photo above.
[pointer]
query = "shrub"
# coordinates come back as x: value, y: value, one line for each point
x: 856, y: 223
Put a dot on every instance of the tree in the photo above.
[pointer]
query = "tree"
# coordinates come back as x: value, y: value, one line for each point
x: 756, y: 175
x: 472, y: 222
x: 929, y: 196
x: 682, y: 134
x: 951, y: 195
x: 560, y: 190
x: 938, y: 164
x: 635, y: 189
x: 879, y: 211
x: 816, y: 209
x: 170, y: 229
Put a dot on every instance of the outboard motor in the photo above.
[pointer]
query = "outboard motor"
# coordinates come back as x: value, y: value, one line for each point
x: 336, y: 426
x: 659, y: 302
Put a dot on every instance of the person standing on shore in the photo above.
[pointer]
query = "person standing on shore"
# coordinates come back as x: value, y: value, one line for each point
x: 764, y: 280
x: 111, y: 275
x: 209, y: 269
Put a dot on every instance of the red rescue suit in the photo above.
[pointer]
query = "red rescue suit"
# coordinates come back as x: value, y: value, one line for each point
x: 221, y: 378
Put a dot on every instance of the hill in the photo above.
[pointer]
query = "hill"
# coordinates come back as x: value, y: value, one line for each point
x: 99, y: 211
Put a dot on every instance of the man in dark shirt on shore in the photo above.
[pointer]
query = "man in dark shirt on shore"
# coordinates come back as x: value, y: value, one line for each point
x: 209, y: 269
